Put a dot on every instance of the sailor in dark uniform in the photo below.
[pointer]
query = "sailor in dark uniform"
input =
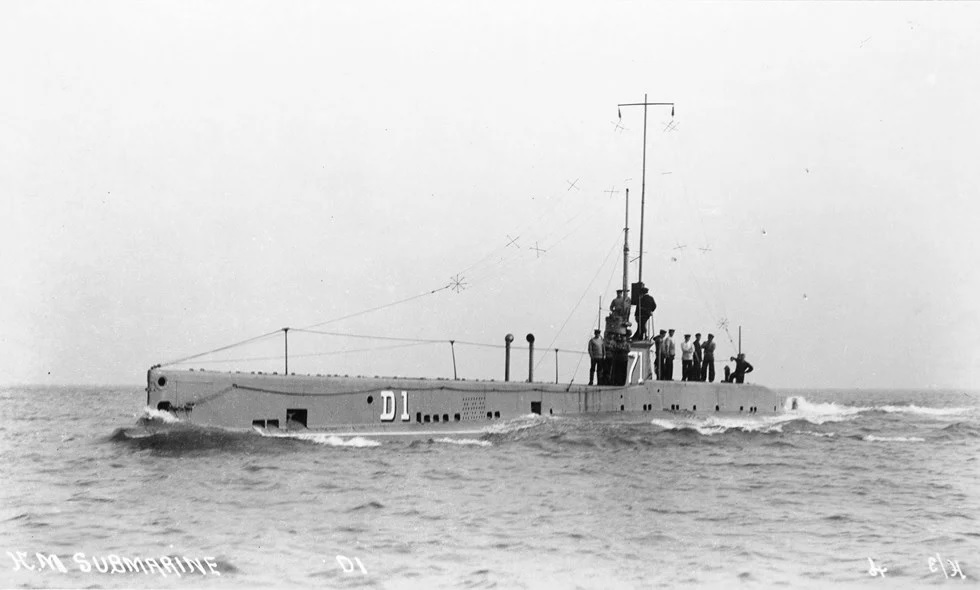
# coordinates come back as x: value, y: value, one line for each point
x: 708, y: 359
x: 698, y: 375
x: 742, y: 367
x: 644, y: 309
x: 597, y: 352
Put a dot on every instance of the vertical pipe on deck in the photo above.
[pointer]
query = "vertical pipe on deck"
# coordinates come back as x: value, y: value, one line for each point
x: 507, y: 340
x: 452, y: 346
x: 285, y: 333
x: 530, y: 358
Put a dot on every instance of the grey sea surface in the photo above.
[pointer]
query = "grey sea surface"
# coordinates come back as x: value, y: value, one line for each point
x: 853, y: 483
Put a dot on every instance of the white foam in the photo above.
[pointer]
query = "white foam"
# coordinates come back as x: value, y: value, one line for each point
x: 813, y: 412
x: 820, y: 412
x: 161, y: 415
x: 711, y: 425
x: 820, y: 434
x: 516, y: 424
x: 914, y: 409
x: 465, y: 441
x: 873, y: 438
x: 323, y: 438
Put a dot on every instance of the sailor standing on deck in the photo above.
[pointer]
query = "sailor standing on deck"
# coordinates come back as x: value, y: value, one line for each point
x: 708, y: 360
x: 696, y: 374
x: 658, y: 343
x: 670, y: 351
x: 620, y: 306
x: 687, y: 358
x: 597, y: 352
x: 644, y: 309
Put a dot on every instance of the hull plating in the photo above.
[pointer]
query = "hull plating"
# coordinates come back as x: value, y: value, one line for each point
x: 379, y: 405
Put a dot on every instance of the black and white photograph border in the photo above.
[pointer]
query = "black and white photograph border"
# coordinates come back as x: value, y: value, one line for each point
x: 489, y: 295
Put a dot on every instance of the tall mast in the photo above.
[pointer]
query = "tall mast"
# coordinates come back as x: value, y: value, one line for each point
x: 643, y: 189
x: 643, y: 185
x: 626, y: 245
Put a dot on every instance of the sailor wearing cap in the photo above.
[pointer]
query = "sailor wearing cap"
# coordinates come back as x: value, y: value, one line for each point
x: 687, y: 358
x: 621, y: 305
x: 644, y: 309
x: 708, y: 359
x: 597, y: 352
x: 658, y: 341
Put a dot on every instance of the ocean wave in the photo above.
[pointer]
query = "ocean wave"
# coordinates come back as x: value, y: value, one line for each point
x: 926, y: 411
x: 818, y: 434
x: 962, y: 429
x: 516, y: 427
x: 153, y: 415
x: 873, y: 438
x: 815, y: 413
x: 820, y: 412
x: 517, y: 424
x: 181, y: 438
x: 709, y: 426
x: 464, y: 442
x: 323, y: 438
x: 835, y: 410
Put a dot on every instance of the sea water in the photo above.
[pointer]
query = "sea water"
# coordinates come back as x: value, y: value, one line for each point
x: 853, y: 489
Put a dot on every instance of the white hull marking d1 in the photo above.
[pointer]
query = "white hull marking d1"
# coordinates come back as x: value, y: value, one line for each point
x: 389, y: 406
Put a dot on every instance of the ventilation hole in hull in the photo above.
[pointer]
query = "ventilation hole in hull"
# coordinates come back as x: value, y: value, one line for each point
x: 418, y: 417
x: 694, y: 408
x: 717, y: 408
x: 162, y: 381
x: 536, y: 408
x: 259, y: 423
x: 435, y: 418
x: 272, y: 423
x: 740, y: 408
x: 370, y: 399
x: 496, y: 414
x: 426, y: 419
x: 489, y: 415
x: 456, y: 417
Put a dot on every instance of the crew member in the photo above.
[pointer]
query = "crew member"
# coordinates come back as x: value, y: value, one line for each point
x: 658, y: 344
x: 670, y: 351
x: 687, y: 358
x: 597, y: 352
x: 644, y: 309
x: 708, y: 359
x: 620, y: 305
x: 742, y: 367
x: 696, y: 373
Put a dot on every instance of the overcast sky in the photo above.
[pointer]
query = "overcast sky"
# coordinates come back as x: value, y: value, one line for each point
x: 177, y: 176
